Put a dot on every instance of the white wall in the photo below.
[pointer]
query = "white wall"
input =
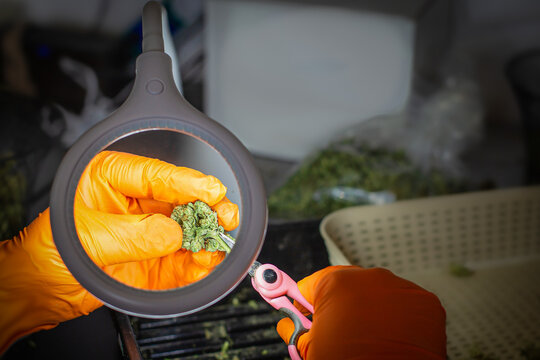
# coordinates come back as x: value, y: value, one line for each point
x: 286, y: 77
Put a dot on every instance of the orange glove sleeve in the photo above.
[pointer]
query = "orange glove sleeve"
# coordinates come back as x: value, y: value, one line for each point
x: 122, y: 209
x: 368, y: 314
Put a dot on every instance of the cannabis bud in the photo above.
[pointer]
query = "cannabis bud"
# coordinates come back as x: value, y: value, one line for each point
x: 200, y: 227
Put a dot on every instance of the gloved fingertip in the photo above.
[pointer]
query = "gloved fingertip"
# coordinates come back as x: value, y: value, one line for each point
x: 212, y: 191
x: 228, y: 215
x: 208, y: 259
x: 285, y: 328
x: 164, y: 235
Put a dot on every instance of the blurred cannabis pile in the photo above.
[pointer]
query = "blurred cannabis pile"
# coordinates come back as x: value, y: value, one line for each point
x: 338, y: 177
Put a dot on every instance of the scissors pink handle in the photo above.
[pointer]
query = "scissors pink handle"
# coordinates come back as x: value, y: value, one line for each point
x: 274, y: 286
x: 293, y: 352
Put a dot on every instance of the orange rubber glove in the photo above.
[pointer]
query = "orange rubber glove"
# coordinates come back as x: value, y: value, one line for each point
x: 121, y: 213
x: 368, y: 314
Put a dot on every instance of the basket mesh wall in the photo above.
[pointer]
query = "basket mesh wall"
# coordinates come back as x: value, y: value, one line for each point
x: 495, y: 233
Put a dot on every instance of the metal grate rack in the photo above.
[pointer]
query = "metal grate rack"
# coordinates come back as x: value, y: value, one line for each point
x: 241, y: 326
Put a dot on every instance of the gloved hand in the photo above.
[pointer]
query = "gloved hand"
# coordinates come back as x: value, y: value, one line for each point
x: 368, y: 314
x: 121, y: 214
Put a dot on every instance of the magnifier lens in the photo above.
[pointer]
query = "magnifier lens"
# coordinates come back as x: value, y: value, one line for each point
x: 125, y: 198
x: 96, y: 196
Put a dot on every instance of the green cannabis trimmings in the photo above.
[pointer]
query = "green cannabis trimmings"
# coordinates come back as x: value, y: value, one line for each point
x: 363, y: 168
x: 459, y: 270
x: 200, y: 227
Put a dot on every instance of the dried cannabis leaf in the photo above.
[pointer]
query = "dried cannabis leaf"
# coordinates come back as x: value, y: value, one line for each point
x: 200, y: 227
x: 460, y: 270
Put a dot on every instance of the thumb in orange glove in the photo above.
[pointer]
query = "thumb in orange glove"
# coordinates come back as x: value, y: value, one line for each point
x: 121, y: 214
x: 368, y: 314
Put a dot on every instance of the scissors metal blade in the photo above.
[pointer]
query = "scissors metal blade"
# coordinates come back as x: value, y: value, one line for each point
x: 254, y: 268
x: 227, y: 239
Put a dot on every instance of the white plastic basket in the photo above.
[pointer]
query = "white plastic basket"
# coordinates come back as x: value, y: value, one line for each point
x: 495, y: 311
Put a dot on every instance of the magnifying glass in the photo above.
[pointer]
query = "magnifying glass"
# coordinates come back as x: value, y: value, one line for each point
x: 156, y: 121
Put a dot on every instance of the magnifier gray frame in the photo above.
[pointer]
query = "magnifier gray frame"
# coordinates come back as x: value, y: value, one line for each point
x: 155, y: 104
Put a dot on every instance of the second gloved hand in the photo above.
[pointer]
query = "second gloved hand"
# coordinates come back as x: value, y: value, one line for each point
x: 368, y: 314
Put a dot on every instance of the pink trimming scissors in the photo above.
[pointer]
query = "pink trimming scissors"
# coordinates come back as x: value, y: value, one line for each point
x: 275, y: 287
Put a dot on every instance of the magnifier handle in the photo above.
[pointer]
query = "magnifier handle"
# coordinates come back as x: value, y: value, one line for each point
x: 152, y: 27
x: 157, y: 36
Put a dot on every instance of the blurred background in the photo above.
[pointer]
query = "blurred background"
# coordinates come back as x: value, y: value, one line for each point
x: 341, y: 102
